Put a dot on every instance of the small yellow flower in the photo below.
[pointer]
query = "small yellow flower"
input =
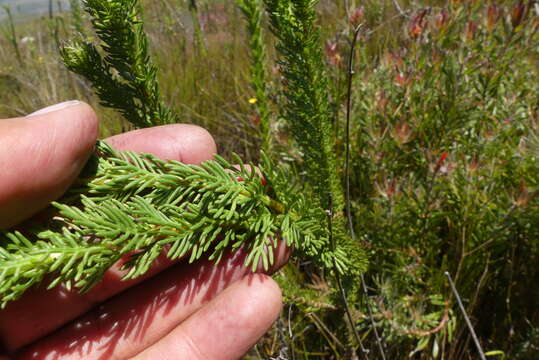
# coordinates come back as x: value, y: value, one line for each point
x: 252, y: 101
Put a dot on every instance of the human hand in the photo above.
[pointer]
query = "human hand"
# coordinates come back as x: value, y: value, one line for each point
x: 175, y: 311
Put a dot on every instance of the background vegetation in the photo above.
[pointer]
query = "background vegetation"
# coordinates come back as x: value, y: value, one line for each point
x: 445, y: 109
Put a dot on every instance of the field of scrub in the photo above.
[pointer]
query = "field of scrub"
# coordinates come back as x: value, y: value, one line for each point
x: 441, y: 120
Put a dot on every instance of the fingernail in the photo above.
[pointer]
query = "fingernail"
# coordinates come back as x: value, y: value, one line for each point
x: 55, y: 107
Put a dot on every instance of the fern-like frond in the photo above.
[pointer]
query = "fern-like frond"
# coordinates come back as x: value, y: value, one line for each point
x: 135, y: 206
x: 124, y: 77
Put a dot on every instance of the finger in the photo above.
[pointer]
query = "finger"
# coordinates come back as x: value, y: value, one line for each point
x: 40, y: 156
x: 189, y: 144
x: 21, y: 323
x: 227, y: 327
x: 131, y: 322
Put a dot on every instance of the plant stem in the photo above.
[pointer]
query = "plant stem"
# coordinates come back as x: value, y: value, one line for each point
x: 364, y: 351
x: 347, y: 180
x: 466, y: 318
x: 348, y: 112
x: 371, y: 318
x: 12, y: 35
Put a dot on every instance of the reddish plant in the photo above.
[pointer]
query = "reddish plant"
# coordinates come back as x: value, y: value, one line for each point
x: 471, y: 29
x: 356, y: 16
x: 442, y: 19
x: 518, y: 14
x: 493, y: 14
x: 418, y: 24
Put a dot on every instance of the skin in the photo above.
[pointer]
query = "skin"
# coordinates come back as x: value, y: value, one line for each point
x: 176, y: 311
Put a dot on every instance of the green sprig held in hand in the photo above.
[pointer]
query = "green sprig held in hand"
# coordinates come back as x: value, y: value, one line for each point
x: 127, y: 203
x: 135, y: 205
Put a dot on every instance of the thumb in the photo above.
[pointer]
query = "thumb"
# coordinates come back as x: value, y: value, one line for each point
x: 41, y: 155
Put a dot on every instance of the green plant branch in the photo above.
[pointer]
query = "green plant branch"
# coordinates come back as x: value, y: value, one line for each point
x: 135, y: 205
x: 306, y: 92
x: 252, y: 12
x: 125, y: 77
x: 307, y: 112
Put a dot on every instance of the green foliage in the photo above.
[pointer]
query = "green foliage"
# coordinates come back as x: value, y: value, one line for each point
x: 444, y: 178
x: 134, y: 203
x: 305, y: 108
x: 306, y: 95
x: 125, y: 77
x: 447, y: 176
x: 252, y: 11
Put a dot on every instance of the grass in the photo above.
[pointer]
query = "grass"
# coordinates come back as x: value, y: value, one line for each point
x: 445, y: 109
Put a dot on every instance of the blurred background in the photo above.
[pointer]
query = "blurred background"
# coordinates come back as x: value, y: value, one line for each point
x: 34, y: 7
